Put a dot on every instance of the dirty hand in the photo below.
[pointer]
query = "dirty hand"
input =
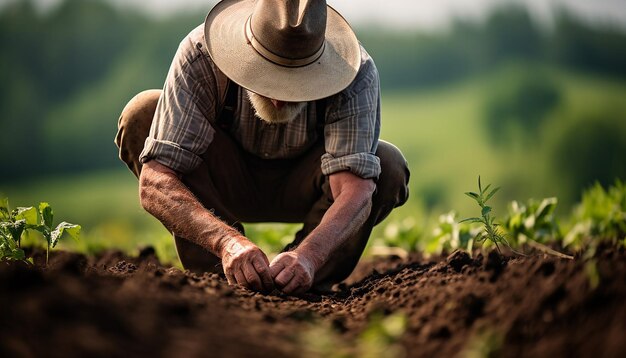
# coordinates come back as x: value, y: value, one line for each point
x: 293, y: 273
x: 245, y: 264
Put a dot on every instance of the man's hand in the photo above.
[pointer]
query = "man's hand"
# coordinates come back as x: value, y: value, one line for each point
x: 245, y: 264
x: 293, y: 273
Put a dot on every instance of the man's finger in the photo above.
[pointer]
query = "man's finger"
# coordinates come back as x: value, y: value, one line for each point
x: 276, y: 267
x: 284, y: 277
x: 252, y: 277
x: 293, y: 285
x: 267, y: 262
x: 263, y: 270
x: 230, y: 278
x: 305, y: 285
x: 241, y: 278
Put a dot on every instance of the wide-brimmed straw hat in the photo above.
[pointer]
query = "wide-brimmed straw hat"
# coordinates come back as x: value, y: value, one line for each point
x: 288, y: 50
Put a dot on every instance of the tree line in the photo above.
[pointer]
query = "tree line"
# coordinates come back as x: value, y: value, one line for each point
x: 66, y: 74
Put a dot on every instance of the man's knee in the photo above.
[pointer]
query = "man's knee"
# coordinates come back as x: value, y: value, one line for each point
x: 138, y: 113
x: 134, y: 126
x: 392, y: 186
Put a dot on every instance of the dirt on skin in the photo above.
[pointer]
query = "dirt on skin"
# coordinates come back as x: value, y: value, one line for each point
x: 116, y: 306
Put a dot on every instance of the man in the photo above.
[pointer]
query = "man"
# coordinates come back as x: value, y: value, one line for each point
x: 270, y: 112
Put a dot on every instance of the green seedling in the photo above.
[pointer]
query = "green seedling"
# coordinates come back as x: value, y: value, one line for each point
x: 601, y: 216
x: 532, y: 221
x: 491, y: 230
x: 15, y: 223
x: 12, y: 225
x: 403, y: 234
x: 450, y: 235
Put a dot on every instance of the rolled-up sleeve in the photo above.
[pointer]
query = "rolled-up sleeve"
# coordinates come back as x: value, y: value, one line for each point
x: 180, y: 131
x: 352, y: 126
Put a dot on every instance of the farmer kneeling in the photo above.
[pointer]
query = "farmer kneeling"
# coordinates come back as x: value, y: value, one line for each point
x: 270, y: 113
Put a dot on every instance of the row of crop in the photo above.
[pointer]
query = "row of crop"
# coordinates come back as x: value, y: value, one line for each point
x: 599, y: 217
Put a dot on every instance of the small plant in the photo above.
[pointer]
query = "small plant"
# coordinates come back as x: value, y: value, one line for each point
x: 402, y: 234
x: 12, y: 225
x: 532, y: 221
x: 16, y: 223
x: 491, y: 231
x: 450, y: 235
x: 600, y: 216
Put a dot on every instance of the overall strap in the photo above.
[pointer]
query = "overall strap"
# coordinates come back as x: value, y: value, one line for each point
x: 227, y: 115
x: 320, y: 113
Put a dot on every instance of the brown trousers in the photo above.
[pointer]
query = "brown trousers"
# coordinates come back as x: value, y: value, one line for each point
x: 240, y: 187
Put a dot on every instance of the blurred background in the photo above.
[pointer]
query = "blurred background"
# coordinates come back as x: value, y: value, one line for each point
x: 531, y: 95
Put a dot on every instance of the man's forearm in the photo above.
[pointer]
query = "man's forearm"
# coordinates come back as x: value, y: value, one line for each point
x: 343, y: 219
x: 164, y: 196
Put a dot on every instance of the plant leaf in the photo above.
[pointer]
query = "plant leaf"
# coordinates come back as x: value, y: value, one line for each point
x: 11, y: 253
x: 29, y: 214
x: 486, y: 188
x: 472, y: 195
x: 7, y: 241
x: 44, y: 230
x: 18, y: 254
x: 4, y: 208
x: 486, y: 210
x: 492, y: 193
x: 546, y: 208
x: 480, y: 187
x: 64, y: 227
x: 471, y: 220
x: 46, y: 214
x: 16, y: 229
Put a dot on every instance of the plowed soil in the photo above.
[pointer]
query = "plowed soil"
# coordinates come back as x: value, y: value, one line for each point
x: 116, y: 306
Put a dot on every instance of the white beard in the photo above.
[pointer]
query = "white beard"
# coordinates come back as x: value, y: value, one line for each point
x: 265, y: 110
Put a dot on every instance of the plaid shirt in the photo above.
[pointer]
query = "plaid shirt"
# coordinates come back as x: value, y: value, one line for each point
x: 195, y: 90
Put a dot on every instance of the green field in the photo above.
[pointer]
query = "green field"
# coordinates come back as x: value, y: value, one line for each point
x: 443, y: 136
x: 441, y: 132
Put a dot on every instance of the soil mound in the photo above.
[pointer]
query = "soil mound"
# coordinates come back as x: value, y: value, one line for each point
x: 113, y: 305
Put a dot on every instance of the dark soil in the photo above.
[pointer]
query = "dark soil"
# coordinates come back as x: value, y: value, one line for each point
x: 112, y: 305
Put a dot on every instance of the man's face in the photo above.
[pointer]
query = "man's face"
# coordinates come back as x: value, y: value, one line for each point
x: 274, y: 111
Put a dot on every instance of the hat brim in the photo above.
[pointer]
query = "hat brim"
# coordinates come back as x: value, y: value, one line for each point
x: 225, y: 38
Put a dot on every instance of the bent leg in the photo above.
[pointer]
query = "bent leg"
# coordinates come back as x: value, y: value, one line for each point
x: 133, y: 129
x: 134, y: 126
